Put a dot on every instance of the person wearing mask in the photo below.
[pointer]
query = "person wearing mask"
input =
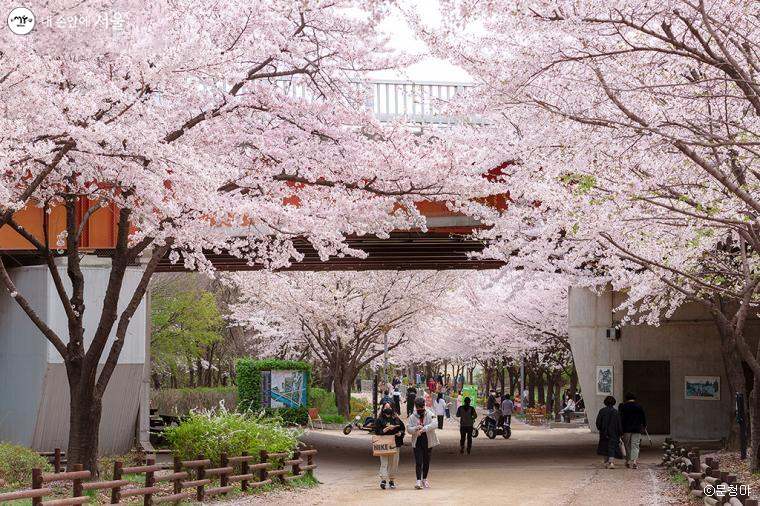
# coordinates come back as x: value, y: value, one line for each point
x: 421, y: 425
x: 397, y: 401
x: 411, y: 394
x: 431, y: 384
x: 610, y: 429
x: 389, y: 424
x: 506, y: 409
x: 633, y: 420
x: 439, y: 408
x: 467, y: 416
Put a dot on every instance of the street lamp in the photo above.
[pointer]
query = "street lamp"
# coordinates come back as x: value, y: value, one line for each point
x: 385, y: 329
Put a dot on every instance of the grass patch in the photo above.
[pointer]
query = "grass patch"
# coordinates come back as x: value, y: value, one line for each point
x: 678, y: 479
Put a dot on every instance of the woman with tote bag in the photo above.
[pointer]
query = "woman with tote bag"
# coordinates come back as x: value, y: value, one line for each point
x: 389, y: 424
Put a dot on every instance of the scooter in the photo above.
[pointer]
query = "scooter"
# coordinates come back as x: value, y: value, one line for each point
x: 367, y: 424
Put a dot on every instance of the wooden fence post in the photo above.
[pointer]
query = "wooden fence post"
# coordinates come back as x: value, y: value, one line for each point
x: 36, y: 483
x: 296, y: 467
x: 263, y: 457
x: 77, y: 482
x: 223, y: 478
x: 200, y: 474
x: 150, y: 481
x: 177, y: 468
x: 116, y: 491
x: 244, y: 470
x: 310, y: 462
x: 57, y: 460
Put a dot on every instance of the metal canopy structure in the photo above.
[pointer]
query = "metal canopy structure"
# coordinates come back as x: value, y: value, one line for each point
x: 402, y: 251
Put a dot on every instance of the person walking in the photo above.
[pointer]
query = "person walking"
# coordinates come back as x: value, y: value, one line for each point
x: 421, y: 425
x: 439, y: 407
x: 467, y: 416
x: 386, y: 398
x: 610, y: 429
x: 411, y: 394
x: 633, y: 420
x: 389, y: 424
x: 358, y: 384
x: 397, y: 401
x: 506, y: 409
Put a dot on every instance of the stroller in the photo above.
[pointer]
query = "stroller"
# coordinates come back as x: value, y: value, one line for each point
x: 492, y: 425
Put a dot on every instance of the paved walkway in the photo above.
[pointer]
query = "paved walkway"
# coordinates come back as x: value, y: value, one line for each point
x: 534, y: 467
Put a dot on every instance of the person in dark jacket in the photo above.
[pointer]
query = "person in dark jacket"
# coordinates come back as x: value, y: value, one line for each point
x: 634, y: 421
x: 467, y: 416
x: 610, y: 429
x: 491, y: 404
x: 411, y: 394
x: 389, y: 424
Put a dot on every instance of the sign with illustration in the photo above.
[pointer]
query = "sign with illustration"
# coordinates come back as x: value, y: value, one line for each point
x: 470, y: 391
x: 703, y: 388
x: 604, y: 380
x: 283, y: 389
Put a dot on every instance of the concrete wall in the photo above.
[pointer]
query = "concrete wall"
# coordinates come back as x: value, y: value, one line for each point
x: 34, y: 389
x: 689, y: 341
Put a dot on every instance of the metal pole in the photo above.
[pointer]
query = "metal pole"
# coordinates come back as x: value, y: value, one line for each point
x: 385, y: 357
x: 522, y: 380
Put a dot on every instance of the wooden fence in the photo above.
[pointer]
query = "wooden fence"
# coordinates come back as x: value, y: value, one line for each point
x: 705, y: 479
x: 190, y: 479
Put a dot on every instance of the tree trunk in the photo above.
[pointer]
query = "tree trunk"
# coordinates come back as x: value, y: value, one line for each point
x: 84, y: 421
x: 531, y: 389
x: 573, y: 382
x: 343, y: 394
x: 557, y: 401
x: 540, y: 387
x: 755, y: 433
x: 732, y: 362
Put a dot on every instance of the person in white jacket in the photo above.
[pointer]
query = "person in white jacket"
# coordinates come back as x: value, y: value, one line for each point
x: 439, y: 407
x: 421, y: 425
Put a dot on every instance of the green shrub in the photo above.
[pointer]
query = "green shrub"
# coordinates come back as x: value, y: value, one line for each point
x: 181, y: 401
x: 17, y: 462
x: 332, y: 419
x: 248, y: 373
x: 358, y: 405
x: 211, y: 433
x: 323, y: 400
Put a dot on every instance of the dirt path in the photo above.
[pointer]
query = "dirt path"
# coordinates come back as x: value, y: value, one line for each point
x: 534, y: 467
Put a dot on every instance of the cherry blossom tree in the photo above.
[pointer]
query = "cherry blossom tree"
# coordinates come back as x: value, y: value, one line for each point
x: 341, y: 318
x: 634, y: 130
x: 185, y: 124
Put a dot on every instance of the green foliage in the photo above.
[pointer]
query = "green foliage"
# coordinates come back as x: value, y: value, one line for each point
x: 332, y: 418
x: 323, y: 400
x: 180, y: 401
x: 211, y: 433
x: 17, y: 462
x: 184, y: 324
x: 358, y: 405
x: 248, y: 373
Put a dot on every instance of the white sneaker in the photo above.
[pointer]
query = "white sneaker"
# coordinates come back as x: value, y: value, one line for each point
x: 418, y: 485
x: 425, y: 483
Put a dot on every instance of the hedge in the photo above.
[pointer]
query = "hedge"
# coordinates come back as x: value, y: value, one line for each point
x: 248, y: 372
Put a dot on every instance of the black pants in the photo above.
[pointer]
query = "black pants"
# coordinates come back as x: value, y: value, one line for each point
x: 465, y: 432
x: 410, y: 404
x: 440, y: 421
x: 397, y: 404
x: 507, y: 420
x: 422, y: 458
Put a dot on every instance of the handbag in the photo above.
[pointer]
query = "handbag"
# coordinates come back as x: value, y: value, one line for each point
x: 621, y: 447
x: 383, y: 445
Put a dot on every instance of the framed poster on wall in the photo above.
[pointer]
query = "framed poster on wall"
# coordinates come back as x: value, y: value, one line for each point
x: 701, y: 388
x: 604, y: 380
